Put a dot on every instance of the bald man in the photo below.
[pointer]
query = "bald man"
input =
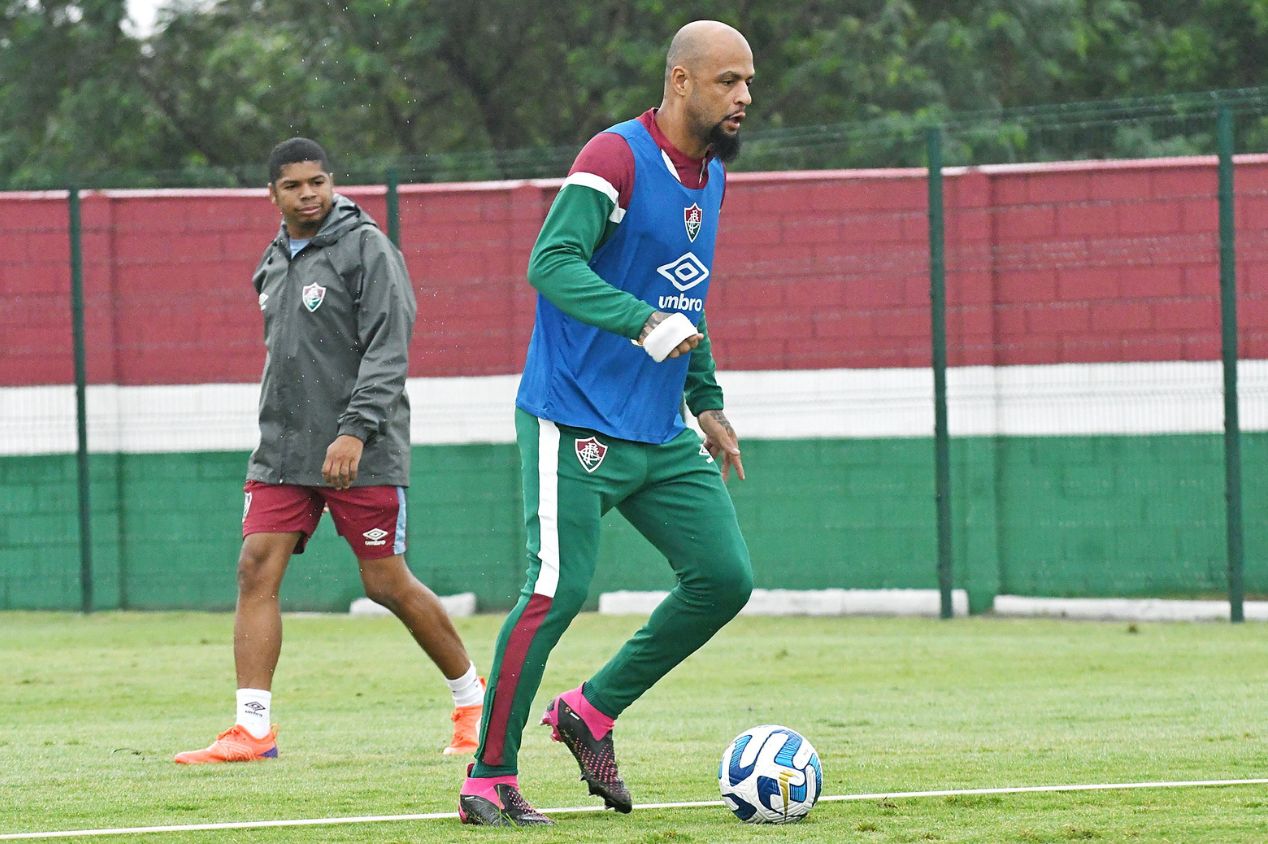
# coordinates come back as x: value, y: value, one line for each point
x: 622, y: 267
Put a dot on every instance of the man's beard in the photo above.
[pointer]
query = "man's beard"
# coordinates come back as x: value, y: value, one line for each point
x: 725, y: 147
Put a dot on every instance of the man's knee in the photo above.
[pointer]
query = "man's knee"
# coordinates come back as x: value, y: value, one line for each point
x: 735, y: 590
x: 387, y: 581
x: 260, y: 568
x: 568, y: 600
x: 724, y: 585
x: 381, y: 594
x: 571, y: 583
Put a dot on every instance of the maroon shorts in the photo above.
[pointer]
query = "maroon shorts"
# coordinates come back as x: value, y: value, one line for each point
x: 370, y: 518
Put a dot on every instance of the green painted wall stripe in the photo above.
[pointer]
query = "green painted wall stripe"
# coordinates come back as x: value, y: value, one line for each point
x: 1057, y: 516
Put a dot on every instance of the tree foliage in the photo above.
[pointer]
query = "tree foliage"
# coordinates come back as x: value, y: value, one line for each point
x: 430, y: 81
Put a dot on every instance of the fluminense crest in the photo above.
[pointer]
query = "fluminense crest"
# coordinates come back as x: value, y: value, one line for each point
x: 591, y: 453
x: 313, y: 296
x: 692, y: 217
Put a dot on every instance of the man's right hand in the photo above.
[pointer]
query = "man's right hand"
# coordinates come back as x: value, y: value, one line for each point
x: 343, y: 458
x: 682, y: 348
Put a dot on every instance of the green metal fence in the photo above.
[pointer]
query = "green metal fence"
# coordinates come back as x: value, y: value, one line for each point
x: 1216, y: 125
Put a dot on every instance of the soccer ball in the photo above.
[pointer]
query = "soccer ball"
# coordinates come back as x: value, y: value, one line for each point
x: 770, y: 774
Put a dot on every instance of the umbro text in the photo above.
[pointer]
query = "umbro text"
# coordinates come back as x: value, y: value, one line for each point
x: 680, y: 302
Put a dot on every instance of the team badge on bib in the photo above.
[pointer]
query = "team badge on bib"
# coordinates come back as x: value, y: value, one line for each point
x: 313, y: 296
x: 692, y: 217
x: 591, y: 453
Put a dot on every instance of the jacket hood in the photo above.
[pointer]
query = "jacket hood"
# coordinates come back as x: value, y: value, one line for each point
x: 345, y: 216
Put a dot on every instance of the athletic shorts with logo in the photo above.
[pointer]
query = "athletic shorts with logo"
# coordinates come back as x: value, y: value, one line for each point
x: 673, y: 494
x: 370, y: 518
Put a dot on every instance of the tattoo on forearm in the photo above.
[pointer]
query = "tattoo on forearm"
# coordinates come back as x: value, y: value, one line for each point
x: 720, y: 417
x: 654, y: 320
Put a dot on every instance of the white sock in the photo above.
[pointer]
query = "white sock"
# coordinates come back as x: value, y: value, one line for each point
x: 253, y: 711
x: 467, y: 689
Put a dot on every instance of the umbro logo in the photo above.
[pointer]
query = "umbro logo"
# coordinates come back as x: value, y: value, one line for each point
x: 255, y: 706
x: 684, y: 272
x: 375, y: 536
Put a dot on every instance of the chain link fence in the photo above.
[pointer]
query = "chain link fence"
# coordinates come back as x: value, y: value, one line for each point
x: 1007, y: 375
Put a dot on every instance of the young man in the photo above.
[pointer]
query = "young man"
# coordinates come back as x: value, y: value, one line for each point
x: 338, y: 312
x: 622, y: 265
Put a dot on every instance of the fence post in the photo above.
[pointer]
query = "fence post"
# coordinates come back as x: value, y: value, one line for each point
x: 938, y: 306
x: 393, y: 209
x: 1228, y: 332
x: 81, y: 401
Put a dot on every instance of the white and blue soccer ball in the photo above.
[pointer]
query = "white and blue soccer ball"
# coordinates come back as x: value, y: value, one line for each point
x: 770, y: 774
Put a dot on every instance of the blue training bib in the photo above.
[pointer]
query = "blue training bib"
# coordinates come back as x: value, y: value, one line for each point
x: 662, y: 253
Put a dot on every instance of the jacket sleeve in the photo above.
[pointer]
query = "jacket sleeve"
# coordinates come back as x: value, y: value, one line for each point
x: 385, y: 321
x: 559, y: 266
x: 702, y: 391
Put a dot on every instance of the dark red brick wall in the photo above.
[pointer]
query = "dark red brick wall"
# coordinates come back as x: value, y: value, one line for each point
x: 1045, y: 264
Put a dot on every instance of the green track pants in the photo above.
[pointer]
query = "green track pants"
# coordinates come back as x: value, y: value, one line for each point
x: 673, y: 495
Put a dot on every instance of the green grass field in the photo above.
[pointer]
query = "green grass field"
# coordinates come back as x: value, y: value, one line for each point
x: 92, y: 709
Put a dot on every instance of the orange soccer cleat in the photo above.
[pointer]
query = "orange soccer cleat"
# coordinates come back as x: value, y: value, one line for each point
x: 233, y: 745
x: 466, y: 730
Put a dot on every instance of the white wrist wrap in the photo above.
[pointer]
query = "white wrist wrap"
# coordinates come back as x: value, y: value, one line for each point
x: 665, y: 337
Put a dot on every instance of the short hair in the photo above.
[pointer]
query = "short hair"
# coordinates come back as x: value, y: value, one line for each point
x: 293, y: 151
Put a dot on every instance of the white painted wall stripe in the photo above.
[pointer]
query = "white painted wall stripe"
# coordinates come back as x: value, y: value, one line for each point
x: 1054, y: 400
x: 1057, y: 400
x: 223, y: 417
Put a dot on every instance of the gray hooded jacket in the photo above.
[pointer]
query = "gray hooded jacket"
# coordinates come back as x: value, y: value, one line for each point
x: 337, y: 324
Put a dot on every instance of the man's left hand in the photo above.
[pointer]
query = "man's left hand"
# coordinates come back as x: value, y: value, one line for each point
x: 721, y: 441
x: 342, y: 459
